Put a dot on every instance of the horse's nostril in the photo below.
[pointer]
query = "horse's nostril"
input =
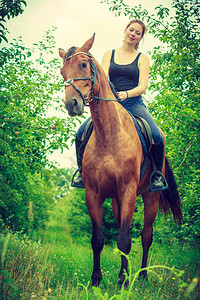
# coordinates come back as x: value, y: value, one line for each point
x: 74, y: 102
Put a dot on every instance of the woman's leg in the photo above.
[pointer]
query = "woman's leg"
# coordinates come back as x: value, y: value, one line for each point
x: 81, y: 129
x: 79, y: 154
x: 157, y: 146
x: 141, y: 111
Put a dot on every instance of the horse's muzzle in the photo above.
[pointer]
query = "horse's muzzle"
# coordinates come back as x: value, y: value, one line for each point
x: 74, y: 107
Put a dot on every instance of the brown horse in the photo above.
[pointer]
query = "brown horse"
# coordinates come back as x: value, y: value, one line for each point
x: 112, y: 159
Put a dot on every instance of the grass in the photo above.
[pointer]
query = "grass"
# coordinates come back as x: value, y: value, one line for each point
x: 61, y: 269
x: 50, y: 265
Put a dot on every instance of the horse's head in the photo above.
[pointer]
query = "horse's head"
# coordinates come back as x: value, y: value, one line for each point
x: 78, y: 71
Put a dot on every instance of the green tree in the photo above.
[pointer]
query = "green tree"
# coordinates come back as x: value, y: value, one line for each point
x: 30, y: 85
x: 175, y: 77
x: 174, y: 82
x: 9, y: 9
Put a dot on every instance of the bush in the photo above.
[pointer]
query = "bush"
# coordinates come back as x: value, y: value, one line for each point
x: 30, y: 85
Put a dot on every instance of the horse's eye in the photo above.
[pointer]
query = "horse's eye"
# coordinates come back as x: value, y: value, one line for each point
x: 84, y: 65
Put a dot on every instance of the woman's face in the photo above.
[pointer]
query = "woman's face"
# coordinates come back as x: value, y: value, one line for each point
x: 133, y: 34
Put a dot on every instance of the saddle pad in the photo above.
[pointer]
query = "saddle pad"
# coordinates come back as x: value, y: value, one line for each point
x: 144, y: 146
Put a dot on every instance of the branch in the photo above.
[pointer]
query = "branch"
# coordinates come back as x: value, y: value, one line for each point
x: 187, y: 150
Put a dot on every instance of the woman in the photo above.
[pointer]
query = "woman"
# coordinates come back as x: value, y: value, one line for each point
x: 128, y: 71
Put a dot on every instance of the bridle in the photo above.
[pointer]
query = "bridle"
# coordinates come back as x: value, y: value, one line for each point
x: 94, y: 76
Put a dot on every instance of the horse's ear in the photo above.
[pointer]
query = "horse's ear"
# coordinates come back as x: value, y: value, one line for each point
x: 61, y: 53
x: 88, y: 45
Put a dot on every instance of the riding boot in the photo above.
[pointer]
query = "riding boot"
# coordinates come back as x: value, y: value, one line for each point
x: 156, y: 179
x: 79, y: 157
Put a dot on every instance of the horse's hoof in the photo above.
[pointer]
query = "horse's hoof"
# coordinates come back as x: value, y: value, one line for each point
x: 143, y: 275
x: 123, y: 284
x: 96, y: 281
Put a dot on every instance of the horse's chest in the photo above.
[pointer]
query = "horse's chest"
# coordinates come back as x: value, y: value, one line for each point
x: 109, y: 169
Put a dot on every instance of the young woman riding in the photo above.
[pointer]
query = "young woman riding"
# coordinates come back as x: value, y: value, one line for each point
x: 128, y: 71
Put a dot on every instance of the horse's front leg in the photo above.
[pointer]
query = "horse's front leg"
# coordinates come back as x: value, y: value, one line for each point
x: 95, y: 210
x: 97, y: 246
x: 124, y: 239
x: 124, y: 245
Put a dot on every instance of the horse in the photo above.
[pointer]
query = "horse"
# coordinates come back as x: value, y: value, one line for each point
x: 112, y: 160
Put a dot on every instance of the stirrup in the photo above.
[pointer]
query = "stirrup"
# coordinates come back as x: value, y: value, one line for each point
x: 73, y: 184
x: 163, y: 177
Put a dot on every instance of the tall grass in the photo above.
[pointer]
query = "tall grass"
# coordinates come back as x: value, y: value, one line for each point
x: 61, y: 269
x: 50, y: 265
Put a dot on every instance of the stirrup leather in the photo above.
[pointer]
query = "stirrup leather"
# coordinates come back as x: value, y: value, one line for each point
x: 163, y: 177
x: 73, y: 184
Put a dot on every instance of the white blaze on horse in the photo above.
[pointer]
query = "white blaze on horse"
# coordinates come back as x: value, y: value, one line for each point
x: 112, y: 159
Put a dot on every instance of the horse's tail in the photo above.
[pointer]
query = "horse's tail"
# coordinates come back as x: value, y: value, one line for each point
x: 169, y: 199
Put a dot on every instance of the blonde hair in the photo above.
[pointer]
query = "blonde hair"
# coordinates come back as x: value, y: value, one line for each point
x: 142, y: 25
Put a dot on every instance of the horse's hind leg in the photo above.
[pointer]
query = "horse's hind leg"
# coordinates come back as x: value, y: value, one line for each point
x: 151, y: 201
x: 97, y: 241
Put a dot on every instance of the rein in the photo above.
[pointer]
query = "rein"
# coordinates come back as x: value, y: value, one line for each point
x: 94, y: 76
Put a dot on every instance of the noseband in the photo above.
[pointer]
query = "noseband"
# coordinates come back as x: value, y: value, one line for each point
x: 94, y: 75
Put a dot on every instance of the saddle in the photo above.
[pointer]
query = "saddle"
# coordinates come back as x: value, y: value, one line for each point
x: 145, y: 130
x: 145, y: 136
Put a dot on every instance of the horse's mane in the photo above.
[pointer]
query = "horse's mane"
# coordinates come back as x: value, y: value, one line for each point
x: 113, y: 89
x: 70, y: 52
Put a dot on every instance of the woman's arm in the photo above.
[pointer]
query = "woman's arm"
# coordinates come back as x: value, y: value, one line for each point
x: 143, y: 64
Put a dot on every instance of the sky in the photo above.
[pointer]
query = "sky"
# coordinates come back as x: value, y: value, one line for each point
x: 76, y: 21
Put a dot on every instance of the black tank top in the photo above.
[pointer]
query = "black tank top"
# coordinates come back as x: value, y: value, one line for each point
x: 124, y: 77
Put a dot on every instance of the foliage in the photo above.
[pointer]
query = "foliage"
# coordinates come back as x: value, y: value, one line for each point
x: 30, y: 86
x: 77, y: 216
x: 29, y: 210
x: 175, y: 77
x: 174, y: 81
x: 82, y: 229
x: 132, y: 278
x: 9, y: 9
x: 62, y: 270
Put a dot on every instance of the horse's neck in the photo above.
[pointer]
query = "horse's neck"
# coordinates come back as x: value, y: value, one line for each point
x: 105, y: 120
x: 105, y: 115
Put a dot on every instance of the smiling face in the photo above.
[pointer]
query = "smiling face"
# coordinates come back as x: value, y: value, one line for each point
x: 134, y: 33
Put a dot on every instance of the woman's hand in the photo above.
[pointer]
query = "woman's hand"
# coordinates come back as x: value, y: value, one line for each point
x: 122, y: 95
